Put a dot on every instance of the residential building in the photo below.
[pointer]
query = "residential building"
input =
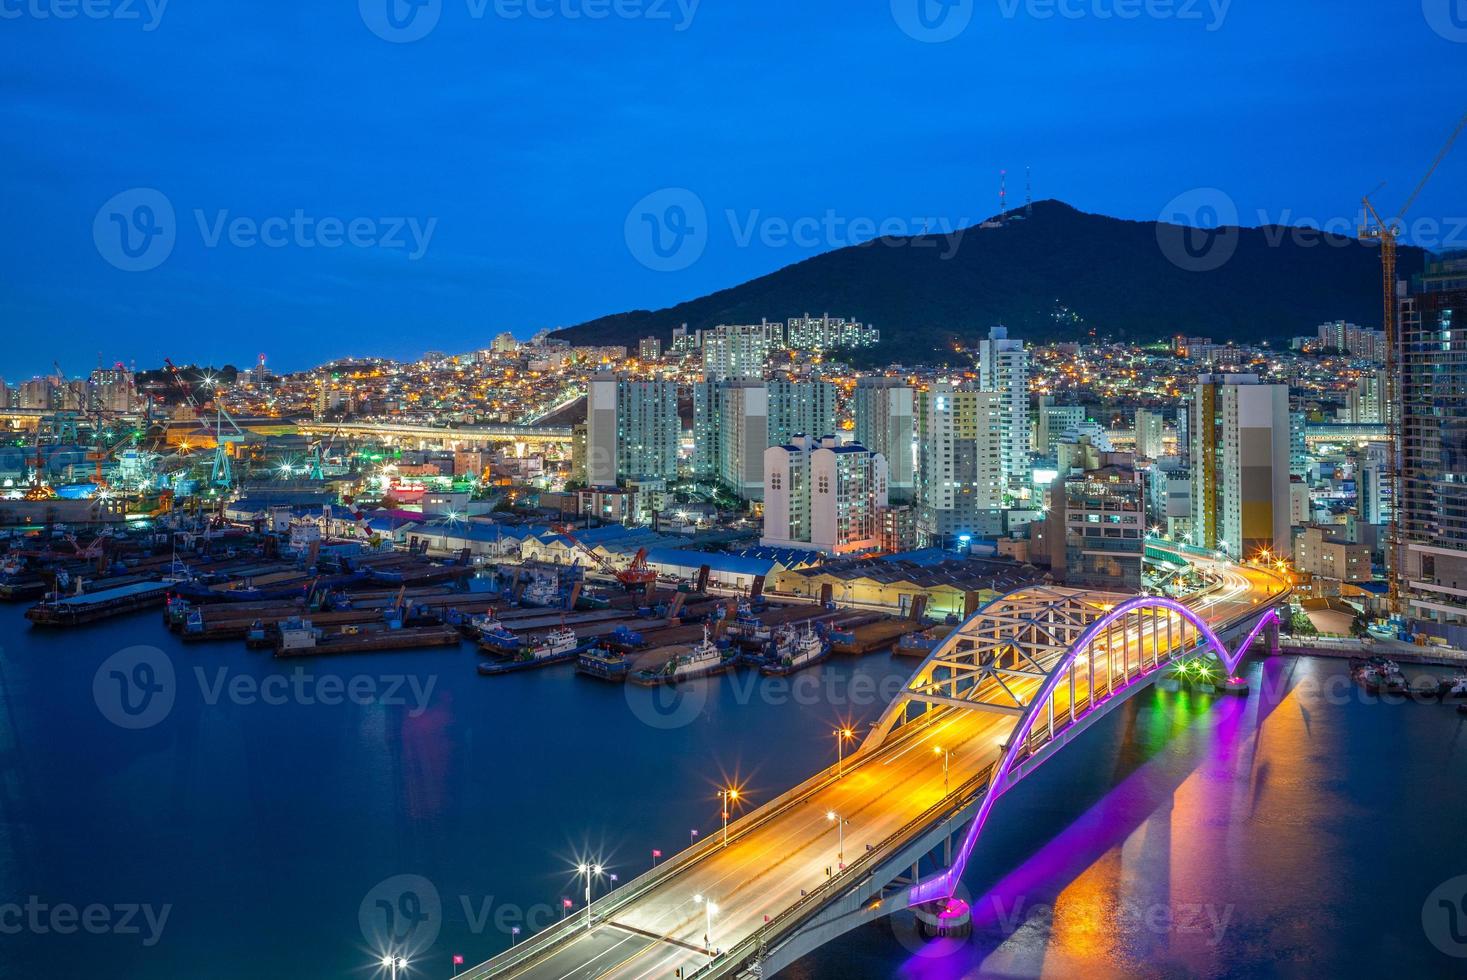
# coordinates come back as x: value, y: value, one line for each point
x: 1240, y: 465
x: 800, y: 408
x: 1150, y: 430
x: 739, y: 352
x: 1003, y: 367
x: 809, y: 333
x: 649, y: 349
x: 1052, y: 422
x: 960, y: 485
x: 1323, y: 553
x: 883, y: 413
x: 1097, y: 529
x: 632, y: 429
x: 1372, y: 486
x: 1432, y: 509
x: 823, y: 495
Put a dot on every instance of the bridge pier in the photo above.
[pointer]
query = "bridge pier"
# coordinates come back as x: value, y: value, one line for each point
x: 946, y: 919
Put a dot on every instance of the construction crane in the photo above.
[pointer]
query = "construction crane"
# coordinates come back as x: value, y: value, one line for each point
x: 1388, y: 234
x: 637, y: 575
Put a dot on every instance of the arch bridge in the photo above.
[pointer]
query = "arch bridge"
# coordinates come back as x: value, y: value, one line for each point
x: 894, y: 826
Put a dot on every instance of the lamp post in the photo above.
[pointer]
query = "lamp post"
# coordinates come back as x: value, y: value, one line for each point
x: 840, y: 829
x: 588, y: 870
x: 946, y: 758
x: 841, y: 734
x: 709, y: 910
x: 728, y: 796
x: 394, y: 963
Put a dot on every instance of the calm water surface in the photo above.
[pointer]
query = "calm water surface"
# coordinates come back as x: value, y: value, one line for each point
x: 283, y: 830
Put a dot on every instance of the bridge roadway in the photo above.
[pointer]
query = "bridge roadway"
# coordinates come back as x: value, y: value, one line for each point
x: 791, y: 845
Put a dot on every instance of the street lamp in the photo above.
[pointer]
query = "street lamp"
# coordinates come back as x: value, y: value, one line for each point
x: 394, y: 963
x: 728, y: 796
x: 709, y: 910
x: 840, y: 828
x: 841, y: 734
x: 588, y: 870
x: 947, y: 756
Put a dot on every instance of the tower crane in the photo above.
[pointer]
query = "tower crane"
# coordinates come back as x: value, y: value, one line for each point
x: 637, y: 575
x: 1388, y: 234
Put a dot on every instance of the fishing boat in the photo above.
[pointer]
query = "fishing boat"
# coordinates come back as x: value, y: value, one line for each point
x: 748, y: 631
x: 482, y: 625
x: 689, y: 662
x: 795, y: 649
x: 591, y: 601
x: 543, y: 592
x: 560, y: 645
x: 604, y: 664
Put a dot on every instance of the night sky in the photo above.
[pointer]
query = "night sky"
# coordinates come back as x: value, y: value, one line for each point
x: 427, y: 192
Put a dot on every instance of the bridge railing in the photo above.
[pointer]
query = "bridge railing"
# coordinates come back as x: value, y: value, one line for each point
x: 813, y: 900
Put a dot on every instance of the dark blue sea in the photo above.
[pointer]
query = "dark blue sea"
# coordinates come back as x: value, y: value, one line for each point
x: 203, y: 811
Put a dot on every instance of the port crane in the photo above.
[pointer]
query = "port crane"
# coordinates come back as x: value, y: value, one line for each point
x: 1388, y: 234
x: 637, y: 575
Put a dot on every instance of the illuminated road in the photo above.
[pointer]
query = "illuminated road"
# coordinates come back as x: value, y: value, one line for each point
x: 772, y: 856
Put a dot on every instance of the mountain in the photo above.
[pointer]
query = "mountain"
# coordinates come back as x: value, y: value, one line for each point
x: 1057, y: 274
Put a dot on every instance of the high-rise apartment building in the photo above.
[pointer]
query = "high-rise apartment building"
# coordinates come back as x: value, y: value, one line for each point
x: 1373, y: 486
x: 1150, y: 433
x: 823, y: 495
x: 882, y: 409
x: 1240, y: 465
x: 960, y: 485
x: 1003, y: 367
x: 800, y: 408
x: 649, y: 349
x: 1432, y: 509
x: 1052, y: 422
x: 736, y: 353
x: 730, y: 434
x: 632, y: 430
x: 811, y: 333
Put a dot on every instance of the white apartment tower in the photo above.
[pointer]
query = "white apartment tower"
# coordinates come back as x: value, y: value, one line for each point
x: 1003, y: 367
x: 823, y: 495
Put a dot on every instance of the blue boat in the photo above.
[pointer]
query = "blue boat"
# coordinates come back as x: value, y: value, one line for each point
x: 606, y: 665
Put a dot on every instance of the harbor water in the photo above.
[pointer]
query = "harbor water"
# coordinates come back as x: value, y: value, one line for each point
x: 205, y: 811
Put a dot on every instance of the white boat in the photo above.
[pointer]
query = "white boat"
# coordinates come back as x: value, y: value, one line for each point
x: 795, y: 648
x: 561, y: 640
x: 541, y: 592
x: 698, y: 660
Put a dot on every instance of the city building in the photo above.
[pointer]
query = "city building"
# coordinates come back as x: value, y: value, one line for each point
x: 1150, y: 432
x: 1097, y: 529
x: 1372, y: 486
x: 649, y: 349
x: 823, y: 495
x: 1240, y: 465
x: 809, y: 333
x: 1323, y: 553
x: 1352, y: 339
x: 960, y: 485
x: 1052, y: 422
x: 1432, y: 510
x: 1003, y: 367
x: 799, y: 407
x: 735, y: 353
x: 882, y: 409
x: 632, y: 430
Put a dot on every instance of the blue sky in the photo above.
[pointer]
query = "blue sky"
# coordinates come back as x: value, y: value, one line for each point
x: 517, y: 147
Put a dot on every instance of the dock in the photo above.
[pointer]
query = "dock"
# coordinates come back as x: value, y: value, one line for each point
x: 91, y: 607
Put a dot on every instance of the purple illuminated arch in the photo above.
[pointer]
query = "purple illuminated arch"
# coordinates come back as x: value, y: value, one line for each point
x: 944, y: 884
